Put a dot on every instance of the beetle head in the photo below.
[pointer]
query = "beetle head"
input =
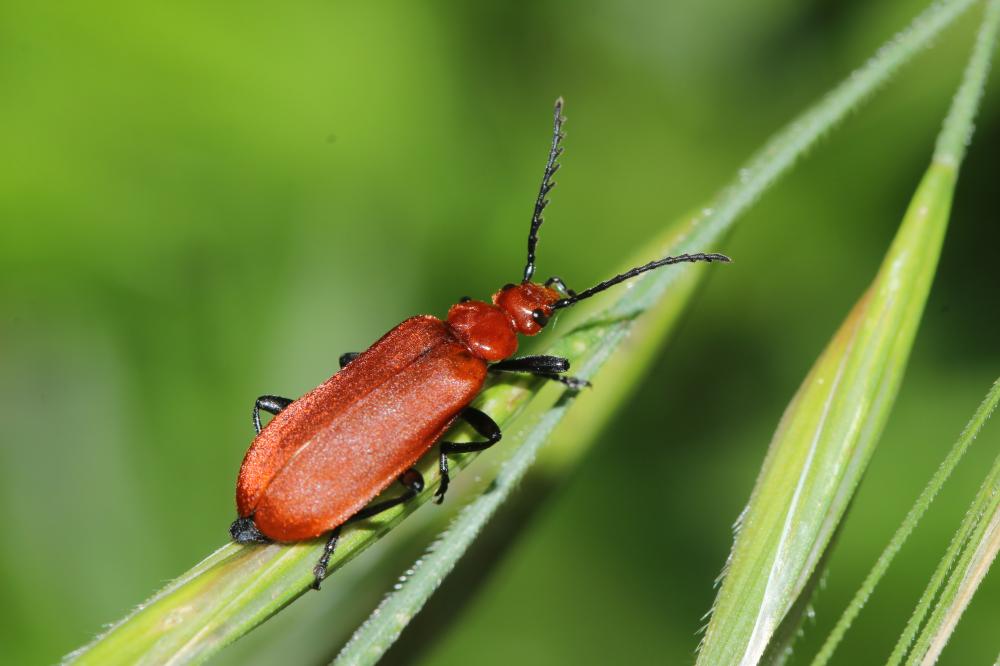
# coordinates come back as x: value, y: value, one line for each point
x: 528, y: 305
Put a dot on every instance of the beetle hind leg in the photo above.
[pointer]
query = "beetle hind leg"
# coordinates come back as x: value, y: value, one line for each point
x: 319, y: 571
x: 482, y: 424
x: 414, y: 483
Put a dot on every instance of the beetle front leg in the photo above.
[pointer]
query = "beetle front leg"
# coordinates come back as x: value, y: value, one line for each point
x: 411, y: 479
x: 481, y: 423
x: 550, y: 367
x: 269, y: 403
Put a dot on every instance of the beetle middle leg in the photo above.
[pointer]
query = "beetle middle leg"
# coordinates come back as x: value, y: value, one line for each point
x: 550, y: 367
x: 269, y: 403
x: 275, y: 404
x: 481, y: 423
x: 411, y: 479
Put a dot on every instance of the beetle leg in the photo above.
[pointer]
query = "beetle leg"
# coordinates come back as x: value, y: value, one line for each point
x: 275, y: 404
x: 560, y: 286
x: 269, y: 403
x: 481, y: 423
x: 414, y: 483
x: 550, y: 367
x: 532, y: 364
x: 319, y: 571
x: 573, y: 383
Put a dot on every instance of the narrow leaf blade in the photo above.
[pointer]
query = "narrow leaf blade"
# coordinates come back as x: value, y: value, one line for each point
x: 826, y: 437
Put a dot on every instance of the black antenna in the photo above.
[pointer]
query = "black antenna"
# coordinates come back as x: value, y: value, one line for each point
x: 587, y: 293
x: 550, y: 168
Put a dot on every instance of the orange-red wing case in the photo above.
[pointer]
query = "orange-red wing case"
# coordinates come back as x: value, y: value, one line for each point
x: 329, y: 453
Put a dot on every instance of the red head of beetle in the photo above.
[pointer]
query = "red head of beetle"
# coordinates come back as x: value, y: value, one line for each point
x: 529, y: 305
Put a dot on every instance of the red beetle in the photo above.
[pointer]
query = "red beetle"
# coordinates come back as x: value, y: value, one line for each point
x: 325, y: 456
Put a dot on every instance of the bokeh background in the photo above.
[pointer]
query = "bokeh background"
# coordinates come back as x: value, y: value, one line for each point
x: 204, y: 202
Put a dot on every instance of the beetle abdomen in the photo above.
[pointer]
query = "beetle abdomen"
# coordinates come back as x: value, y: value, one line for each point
x: 327, y: 454
x: 302, y: 419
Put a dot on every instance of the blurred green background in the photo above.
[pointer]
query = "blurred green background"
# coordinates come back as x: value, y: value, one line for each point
x: 201, y: 203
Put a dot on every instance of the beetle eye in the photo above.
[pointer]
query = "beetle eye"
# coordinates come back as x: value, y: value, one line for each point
x: 509, y: 285
x: 539, y: 317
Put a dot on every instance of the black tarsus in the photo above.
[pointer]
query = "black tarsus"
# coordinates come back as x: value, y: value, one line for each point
x: 573, y: 383
x: 244, y: 530
x: 411, y: 479
x: 638, y: 270
x: 549, y: 367
x: 319, y: 571
x: 481, y: 423
x: 347, y: 358
x: 269, y: 403
x: 550, y: 168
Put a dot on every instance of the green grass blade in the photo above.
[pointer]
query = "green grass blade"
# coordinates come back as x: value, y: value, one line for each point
x: 952, y: 143
x: 238, y: 587
x: 956, y: 133
x: 978, y: 553
x: 951, y: 555
x: 965, y: 439
x: 825, y: 439
x: 784, y: 148
x: 828, y: 432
